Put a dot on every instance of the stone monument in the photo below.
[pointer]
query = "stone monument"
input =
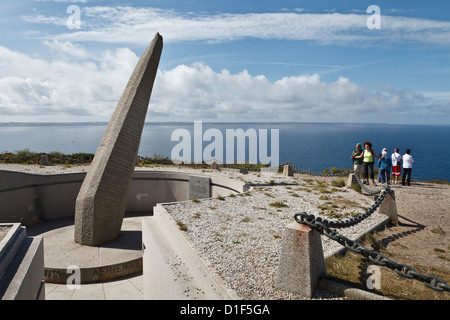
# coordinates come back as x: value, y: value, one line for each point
x: 102, y: 200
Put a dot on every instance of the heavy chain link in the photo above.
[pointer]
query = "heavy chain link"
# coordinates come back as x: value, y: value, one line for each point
x: 432, y: 282
x: 340, y: 174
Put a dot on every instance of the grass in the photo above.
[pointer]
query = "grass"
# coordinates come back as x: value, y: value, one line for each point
x: 438, y: 231
x: 335, y: 171
x: 26, y: 157
x: 278, y: 204
x: 338, y: 183
x: 182, y: 226
x: 351, y: 269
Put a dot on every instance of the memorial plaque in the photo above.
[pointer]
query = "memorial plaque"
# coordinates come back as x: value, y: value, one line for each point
x: 199, y: 187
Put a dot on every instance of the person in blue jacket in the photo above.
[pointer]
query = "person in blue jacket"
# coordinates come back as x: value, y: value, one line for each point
x: 385, y: 165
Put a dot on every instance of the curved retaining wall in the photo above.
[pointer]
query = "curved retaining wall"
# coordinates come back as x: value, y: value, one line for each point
x: 28, y: 198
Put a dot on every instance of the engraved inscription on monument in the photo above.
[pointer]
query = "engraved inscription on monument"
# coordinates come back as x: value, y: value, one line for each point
x: 101, y: 202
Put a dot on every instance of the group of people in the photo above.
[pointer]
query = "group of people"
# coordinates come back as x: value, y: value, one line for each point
x: 364, y: 160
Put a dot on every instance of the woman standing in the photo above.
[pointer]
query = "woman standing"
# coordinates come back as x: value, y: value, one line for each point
x: 368, y: 157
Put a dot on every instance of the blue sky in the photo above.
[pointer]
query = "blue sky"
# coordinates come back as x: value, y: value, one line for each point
x: 228, y: 60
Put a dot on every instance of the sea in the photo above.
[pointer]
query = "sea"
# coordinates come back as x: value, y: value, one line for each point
x: 308, y: 146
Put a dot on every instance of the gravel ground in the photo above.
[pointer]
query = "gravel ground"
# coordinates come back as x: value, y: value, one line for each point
x: 241, y: 235
x: 4, y: 231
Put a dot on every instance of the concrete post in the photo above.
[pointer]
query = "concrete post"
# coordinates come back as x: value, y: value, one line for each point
x: 351, y: 181
x: 389, y: 207
x: 301, y: 260
x: 44, y: 160
x: 287, y: 170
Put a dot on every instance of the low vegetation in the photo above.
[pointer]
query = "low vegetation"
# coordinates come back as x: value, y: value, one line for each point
x: 27, y: 156
x: 351, y: 269
x: 182, y: 226
x: 278, y: 204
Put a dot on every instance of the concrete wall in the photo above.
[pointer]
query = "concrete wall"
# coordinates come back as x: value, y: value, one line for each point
x: 28, y: 198
x: 21, y: 266
x: 173, y: 269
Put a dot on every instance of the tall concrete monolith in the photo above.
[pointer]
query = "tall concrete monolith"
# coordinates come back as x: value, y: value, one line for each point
x: 101, y: 203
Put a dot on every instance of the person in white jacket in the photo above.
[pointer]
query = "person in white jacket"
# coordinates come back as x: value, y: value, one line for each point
x: 407, y: 167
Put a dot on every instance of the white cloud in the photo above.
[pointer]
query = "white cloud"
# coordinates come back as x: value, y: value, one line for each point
x: 34, y: 89
x: 200, y: 93
x: 128, y: 25
x: 45, y: 20
x: 65, y: 49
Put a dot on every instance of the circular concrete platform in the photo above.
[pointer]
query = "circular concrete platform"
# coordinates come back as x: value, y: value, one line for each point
x: 64, y: 258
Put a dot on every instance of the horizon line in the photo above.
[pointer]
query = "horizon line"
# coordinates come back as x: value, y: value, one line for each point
x: 55, y: 123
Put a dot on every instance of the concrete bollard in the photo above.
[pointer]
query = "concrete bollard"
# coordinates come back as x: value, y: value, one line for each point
x: 287, y: 170
x: 44, y: 160
x: 351, y: 181
x: 214, y: 165
x: 301, y: 260
x: 389, y: 207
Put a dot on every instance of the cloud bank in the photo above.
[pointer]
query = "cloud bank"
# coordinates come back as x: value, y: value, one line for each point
x: 87, y: 89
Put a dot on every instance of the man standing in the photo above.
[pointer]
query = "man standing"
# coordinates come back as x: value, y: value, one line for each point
x: 357, y: 158
x: 407, y: 167
x: 396, y: 165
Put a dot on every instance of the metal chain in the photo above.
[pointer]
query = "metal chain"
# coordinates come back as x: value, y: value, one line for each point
x: 358, y: 179
x: 362, y: 185
x: 354, y: 220
x: 432, y: 282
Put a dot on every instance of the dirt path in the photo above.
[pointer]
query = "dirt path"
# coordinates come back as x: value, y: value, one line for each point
x: 422, y: 236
